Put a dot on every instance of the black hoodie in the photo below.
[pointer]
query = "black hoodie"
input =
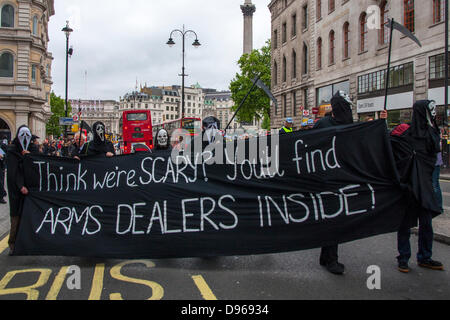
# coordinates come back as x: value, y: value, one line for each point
x: 15, y: 176
x: 342, y: 113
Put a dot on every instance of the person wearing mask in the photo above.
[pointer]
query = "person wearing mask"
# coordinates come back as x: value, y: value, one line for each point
x: 20, y: 147
x: 289, y: 123
x: 100, y: 145
x: 341, y: 114
x: 415, y: 148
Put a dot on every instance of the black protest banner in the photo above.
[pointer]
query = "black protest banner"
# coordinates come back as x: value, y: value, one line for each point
x: 329, y: 186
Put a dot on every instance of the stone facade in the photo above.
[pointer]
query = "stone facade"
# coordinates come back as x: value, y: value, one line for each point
x: 25, y: 65
x: 306, y: 69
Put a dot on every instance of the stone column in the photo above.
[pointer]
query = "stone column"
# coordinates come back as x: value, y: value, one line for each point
x: 248, y: 9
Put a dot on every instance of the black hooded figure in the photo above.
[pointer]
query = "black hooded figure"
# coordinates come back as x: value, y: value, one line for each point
x: 20, y: 147
x: 100, y: 145
x: 342, y: 115
x: 415, y: 153
x: 211, y: 126
x: 342, y: 112
x: 162, y: 140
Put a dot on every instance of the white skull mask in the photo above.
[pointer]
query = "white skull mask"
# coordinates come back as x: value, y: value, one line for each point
x: 24, y: 137
x: 346, y: 97
x: 100, y: 130
x: 432, y: 108
x: 162, y: 138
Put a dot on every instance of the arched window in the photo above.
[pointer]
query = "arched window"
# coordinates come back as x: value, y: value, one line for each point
x: 332, y: 47
x: 319, y: 53
x: 35, y: 25
x: 6, y: 65
x: 7, y: 17
x: 363, y: 32
x: 284, y: 69
x: 305, y: 59
x: 408, y: 10
x: 346, y: 33
x: 294, y: 64
x: 384, y: 18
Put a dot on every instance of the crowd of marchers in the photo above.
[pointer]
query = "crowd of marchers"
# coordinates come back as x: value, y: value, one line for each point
x: 416, y: 147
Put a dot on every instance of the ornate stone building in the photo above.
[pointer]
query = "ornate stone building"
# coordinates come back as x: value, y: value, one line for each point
x: 25, y: 65
x: 321, y: 46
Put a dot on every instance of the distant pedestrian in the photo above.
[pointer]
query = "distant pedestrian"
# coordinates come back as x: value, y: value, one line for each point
x: 288, y: 126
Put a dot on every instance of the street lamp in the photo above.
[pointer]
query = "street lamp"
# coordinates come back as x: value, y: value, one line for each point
x: 171, y: 43
x: 69, y: 51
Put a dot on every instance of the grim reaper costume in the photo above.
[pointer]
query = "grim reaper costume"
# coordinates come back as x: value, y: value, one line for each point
x: 211, y: 126
x: 100, y: 145
x: 162, y: 140
x: 415, y: 150
x: 342, y: 115
x: 15, y: 177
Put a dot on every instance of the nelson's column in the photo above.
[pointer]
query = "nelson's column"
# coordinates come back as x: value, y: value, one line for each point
x: 248, y: 9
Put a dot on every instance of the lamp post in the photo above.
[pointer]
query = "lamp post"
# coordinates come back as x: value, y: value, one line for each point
x: 67, y: 30
x: 171, y: 43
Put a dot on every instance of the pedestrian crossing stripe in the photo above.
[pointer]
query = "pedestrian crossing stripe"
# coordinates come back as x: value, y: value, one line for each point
x: 4, y: 244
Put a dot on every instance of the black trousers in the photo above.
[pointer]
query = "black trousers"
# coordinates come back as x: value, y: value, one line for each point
x: 2, y: 183
x: 329, y: 255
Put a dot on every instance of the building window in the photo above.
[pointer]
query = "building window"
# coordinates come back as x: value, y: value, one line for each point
x: 399, y: 76
x: 437, y: 67
x: 319, y: 53
x: 7, y: 16
x: 305, y: 16
x: 409, y: 14
x: 305, y: 59
x: 6, y: 65
x: 294, y: 64
x: 363, y: 32
x: 47, y: 71
x: 284, y: 106
x: 305, y: 99
x: 275, y: 73
x: 384, y: 18
x: 35, y: 25
x: 319, y: 9
x: 438, y: 11
x: 346, y: 32
x: 331, y: 5
x: 331, y: 41
x: 275, y: 39
x: 294, y: 25
x: 284, y: 77
x: 33, y: 73
x: 283, y: 33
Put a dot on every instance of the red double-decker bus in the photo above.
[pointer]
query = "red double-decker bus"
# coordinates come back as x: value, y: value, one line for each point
x: 137, y: 131
x: 188, y: 124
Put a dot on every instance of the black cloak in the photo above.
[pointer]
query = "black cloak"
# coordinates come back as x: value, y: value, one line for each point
x: 415, y: 153
x: 342, y: 113
x: 97, y: 146
x: 15, y: 176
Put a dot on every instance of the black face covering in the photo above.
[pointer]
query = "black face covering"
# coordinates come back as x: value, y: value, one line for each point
x: 342, y: 111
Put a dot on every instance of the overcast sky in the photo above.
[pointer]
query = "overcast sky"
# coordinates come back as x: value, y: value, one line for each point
x: 117, y: 41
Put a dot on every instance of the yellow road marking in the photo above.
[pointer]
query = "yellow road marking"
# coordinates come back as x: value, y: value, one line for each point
x: 57, y: 284
x: 205, y: 290
x: 97, y: 282
x: 4, y: 244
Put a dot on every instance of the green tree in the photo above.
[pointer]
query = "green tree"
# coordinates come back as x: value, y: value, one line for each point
x: 257, y: 105
x: 58, y: 109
